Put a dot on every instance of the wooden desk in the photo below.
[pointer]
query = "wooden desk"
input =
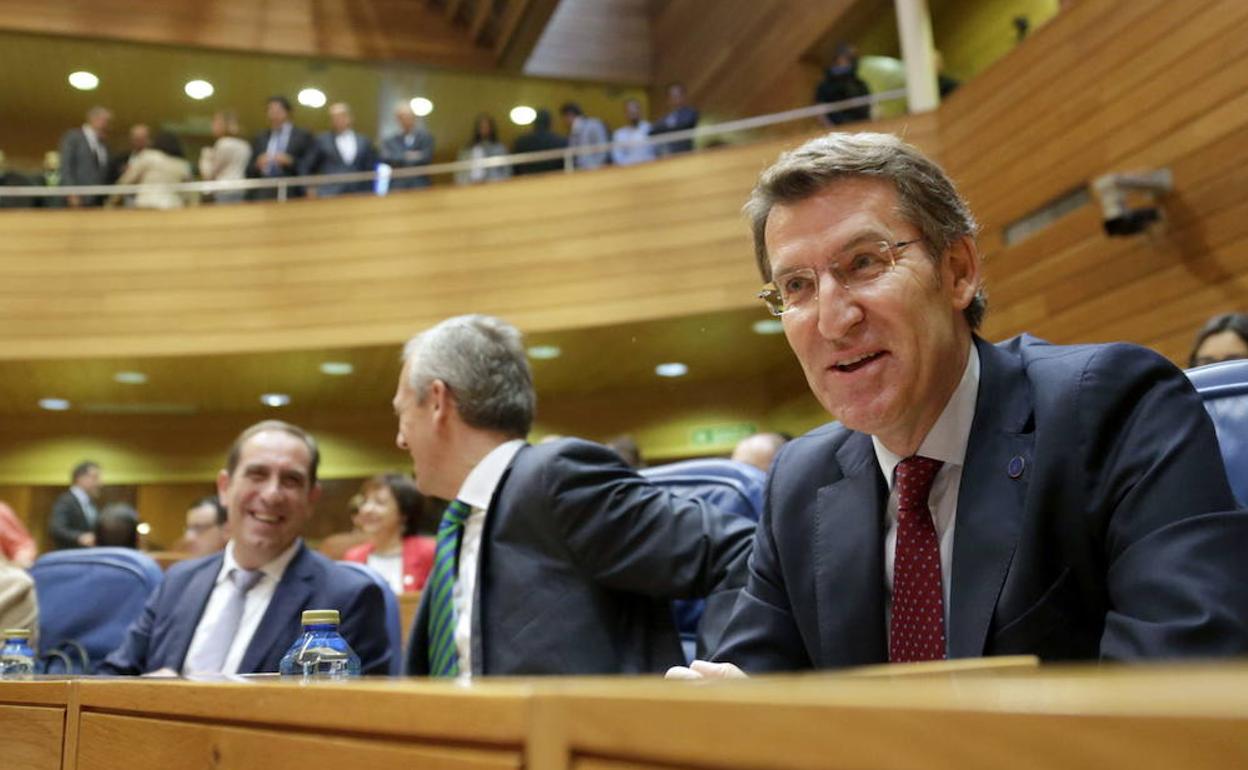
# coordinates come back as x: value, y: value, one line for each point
x: 989, y: 717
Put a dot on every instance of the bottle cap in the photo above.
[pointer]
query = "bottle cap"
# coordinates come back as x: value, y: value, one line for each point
x: 320, y: 617
x: 17, y: 632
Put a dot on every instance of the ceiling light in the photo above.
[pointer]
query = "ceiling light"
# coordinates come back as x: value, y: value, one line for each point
x: 199, y: 89
x: 144, y: 528
x: 83, y: 81
x: 421, y: 106
x: 130, y: 378
x: 522, y: 115
x: 53, y: 404
x: 312, y: 97
x: 337, y: 368
x: 275, y: 399
x: 544, y: 352
x: 768, y: 326
x: 672, y: 369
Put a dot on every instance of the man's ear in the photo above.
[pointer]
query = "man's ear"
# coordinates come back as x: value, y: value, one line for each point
x: 441, y: 401
x: 962, y: 271
x: 223, y: 483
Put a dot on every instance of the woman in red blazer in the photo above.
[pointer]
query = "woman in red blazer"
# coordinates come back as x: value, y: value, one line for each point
x: 390, y: 515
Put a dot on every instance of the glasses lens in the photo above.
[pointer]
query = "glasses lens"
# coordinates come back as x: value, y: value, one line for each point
x: 771, y: 297
x: 865, y: 264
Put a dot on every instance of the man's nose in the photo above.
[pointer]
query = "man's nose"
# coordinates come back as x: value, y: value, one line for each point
x: 399, y: 441
x: 838, y: 309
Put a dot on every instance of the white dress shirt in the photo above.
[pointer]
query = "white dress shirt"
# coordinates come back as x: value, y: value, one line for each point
x: 476, y: 492
x: 630, y: 147
x: 97, y: 147
x: 347, y: 146
x: 946, y: 441
x: 390, y: 567
x: 257, y: 602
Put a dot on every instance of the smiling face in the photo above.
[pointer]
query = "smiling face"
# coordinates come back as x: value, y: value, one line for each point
x: 417, y: 426
x: 269, y: 496
x: 885, y: 358
x: 379, y: 517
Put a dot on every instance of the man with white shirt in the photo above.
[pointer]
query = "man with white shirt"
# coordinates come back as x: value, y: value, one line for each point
x: 84, y: 156
x: 1067, y: 502
x: 72, y: 524
x: 585, y: 131
x: 629, y: 140
x: 239, y: 610
x: 342, y: 150
x: 551, y: 559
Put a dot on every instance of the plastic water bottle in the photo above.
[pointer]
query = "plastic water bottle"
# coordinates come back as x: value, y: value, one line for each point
x: 17, y: 659
x: 320, y: 652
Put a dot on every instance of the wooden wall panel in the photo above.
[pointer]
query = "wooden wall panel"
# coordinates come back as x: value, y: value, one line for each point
x: 605, y: 40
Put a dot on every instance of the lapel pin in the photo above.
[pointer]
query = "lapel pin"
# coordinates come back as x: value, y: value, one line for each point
x: 1015, y: 468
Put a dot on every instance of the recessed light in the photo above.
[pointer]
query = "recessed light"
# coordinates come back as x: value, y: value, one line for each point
x: 53, y: 404
x: 312, y: 97
x: 672, y: 369
x: 544, y: 352
x: 421, y: 106
x: 275, y: 399
x: 130, y: 378
x: 523, y: 115
x: 198, y: 89
x: 83, y: 81
x: 337, y: 368
x: 144, y: 528
x: 768, y: 326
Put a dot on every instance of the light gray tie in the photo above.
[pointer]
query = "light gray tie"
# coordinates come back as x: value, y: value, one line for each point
x: 211, y: 655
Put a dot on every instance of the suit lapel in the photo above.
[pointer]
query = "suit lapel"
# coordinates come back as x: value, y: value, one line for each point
x: 189, y: 608
x: 283, y: 613
x: 849, y: 568
x: 990, y: 500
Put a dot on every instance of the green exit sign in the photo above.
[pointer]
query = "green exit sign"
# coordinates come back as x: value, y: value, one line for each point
x: 720, y: 435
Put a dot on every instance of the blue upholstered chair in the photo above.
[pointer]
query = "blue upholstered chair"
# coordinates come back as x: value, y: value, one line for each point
x: 91, y: 596
x: 393, y: 629
x: 732, y: 487
x: 1224, y: 388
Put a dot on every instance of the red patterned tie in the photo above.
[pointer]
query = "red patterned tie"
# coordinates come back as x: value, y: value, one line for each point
x: 917, y: 628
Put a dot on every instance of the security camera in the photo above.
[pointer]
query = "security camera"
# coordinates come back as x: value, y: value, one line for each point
x: 1113, y: 190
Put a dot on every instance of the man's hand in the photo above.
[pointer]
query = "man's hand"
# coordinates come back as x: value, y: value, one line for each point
x: 704, y: 669
x: 86, y: 539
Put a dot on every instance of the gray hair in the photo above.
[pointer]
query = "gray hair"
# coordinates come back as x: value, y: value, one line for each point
x: 482, y: 361
x: 927, y: 197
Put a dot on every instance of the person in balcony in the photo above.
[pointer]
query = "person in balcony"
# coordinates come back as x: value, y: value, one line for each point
x: 484, y: 145
x: 342, y: 150
x: 156, y: 168
x: 410, y: 147
x: 390, y: 516
x: 281, y: 151
x: 226, y: 160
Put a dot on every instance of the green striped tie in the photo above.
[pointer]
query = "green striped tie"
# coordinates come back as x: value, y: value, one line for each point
x: 443, y: 657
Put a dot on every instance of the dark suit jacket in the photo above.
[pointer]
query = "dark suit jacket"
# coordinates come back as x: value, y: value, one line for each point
x: 679, y: 119
x: 580, y: 559
x: 299, y: 146
x: 81, y: 166
x: 1109, y: 544
x: 326, y: 159
x: 162, y: 635
x: 393, y: 151
x: 68, y: 521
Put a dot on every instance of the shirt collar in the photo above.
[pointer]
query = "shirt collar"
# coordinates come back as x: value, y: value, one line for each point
x: 80, y: 494
x: 479, y: 487
x: 274, y: 569
x: 947, y: 439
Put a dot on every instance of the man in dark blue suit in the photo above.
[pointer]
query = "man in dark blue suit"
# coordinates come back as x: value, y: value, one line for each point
x: 342, y: 150
x: 1092, y: 513
x: 239, y: 610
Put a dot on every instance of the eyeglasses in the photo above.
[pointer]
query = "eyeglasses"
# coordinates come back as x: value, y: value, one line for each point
x: 854, y: 269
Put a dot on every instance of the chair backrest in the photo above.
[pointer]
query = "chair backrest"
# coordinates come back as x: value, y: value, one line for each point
x: 394, y: 631
x: 1224, y: 388
x: 91, y: 596
x: 730, y: 486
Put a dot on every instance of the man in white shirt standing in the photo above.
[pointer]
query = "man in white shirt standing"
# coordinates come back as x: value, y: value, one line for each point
x: 342, y: 150
x: 585, y: 131
x: 630, y: 139
x: 551, y: 559
x: 239, y: 610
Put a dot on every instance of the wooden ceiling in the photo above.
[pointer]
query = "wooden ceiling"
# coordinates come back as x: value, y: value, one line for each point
x: 717, y: 348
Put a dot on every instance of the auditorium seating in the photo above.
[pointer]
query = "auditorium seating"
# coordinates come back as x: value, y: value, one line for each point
x: 1224, y: 388
x: 91, y: 596
x: 732, y: 487
x: 394, y: 631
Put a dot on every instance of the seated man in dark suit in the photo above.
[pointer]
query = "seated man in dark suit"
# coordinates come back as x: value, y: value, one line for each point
x: 283, y: 150
x: 239, y: 610
x: 341, y: 151
x: 552, y: 559
x: 1093, y: 516
x: 73, y: 514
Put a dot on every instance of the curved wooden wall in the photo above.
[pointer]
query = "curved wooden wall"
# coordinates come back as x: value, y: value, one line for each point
x: 1105, y: 87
